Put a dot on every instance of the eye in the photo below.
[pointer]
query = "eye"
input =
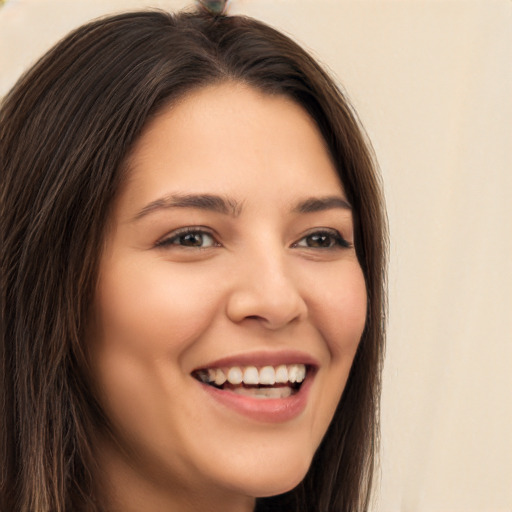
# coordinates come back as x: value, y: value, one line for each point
x: 190, y: 237
x: 323, y: 239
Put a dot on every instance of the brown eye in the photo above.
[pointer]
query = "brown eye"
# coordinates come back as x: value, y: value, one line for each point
x: 193, y: 238
x: 325, y: 239
x: 320, y: 241
x: 190, y: 240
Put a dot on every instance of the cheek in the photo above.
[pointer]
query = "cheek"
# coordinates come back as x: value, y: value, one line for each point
x: 339, y: 308
x: 146, y: 321
x: 151, y: 308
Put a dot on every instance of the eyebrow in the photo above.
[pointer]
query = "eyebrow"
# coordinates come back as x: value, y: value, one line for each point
x: 210, y: 202
x: 228, y: 206
x: 318, y: 204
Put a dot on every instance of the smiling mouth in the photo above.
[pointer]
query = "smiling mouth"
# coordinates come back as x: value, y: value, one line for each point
x: 264, y: 382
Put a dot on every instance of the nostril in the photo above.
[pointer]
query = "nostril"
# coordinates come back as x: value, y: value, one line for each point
x: 265, y: 303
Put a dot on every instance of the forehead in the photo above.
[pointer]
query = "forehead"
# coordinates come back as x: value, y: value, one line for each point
x: 232, y: 139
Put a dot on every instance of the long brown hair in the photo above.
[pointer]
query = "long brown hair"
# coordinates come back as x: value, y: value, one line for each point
x: 65, y: 130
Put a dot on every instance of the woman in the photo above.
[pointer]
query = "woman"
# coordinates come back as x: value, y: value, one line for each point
x: 192, y: 275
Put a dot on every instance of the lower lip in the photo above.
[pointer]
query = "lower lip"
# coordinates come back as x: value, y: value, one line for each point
x: 269, y: 410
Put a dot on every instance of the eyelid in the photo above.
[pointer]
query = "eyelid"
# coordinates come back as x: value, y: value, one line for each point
x: 340, y: 241
x: 167, y: 240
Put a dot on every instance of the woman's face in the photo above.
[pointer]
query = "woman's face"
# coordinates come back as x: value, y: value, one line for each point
x: 230, y: 257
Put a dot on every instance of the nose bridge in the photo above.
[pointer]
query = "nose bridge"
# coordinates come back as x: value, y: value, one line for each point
x: 264, y: 287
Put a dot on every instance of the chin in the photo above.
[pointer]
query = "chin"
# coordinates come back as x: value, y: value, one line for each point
x: 272, y: 480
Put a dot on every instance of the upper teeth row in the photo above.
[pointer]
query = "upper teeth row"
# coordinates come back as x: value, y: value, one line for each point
x: 267, y: 375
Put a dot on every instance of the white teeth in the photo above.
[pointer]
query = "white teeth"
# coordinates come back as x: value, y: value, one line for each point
x: 251, y: 375
x: 220, y: 378
x: 235, y: 375
x: 296, y: 373
x: 282, y: 374
x: 267, y: 376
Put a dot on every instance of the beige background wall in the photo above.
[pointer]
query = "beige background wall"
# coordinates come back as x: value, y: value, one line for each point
x: 432, y: 81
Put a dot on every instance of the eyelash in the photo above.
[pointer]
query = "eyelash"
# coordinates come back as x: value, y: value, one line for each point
x: 336, y: 240
x: 176, y: 235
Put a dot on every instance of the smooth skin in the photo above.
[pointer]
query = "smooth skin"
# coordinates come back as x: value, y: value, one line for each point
x: 186, y: 280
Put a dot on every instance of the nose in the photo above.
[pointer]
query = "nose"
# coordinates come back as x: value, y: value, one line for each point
x: 264, y: 291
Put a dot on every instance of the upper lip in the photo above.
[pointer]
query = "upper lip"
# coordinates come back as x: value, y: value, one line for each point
x: 263, y: 358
